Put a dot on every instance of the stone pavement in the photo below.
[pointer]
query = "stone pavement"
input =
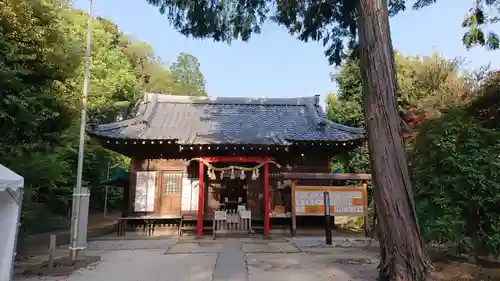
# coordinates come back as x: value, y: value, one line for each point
x: 228, y: 260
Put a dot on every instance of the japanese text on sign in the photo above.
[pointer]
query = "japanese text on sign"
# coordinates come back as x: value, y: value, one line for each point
x: 349, y: 200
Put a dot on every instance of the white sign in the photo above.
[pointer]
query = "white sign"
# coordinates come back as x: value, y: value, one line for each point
x: 245, y: 214
x: 220, y: 215
x: 190, y: 191
x: 145, y: 191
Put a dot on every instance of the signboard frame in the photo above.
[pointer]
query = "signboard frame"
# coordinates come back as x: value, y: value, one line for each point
x: 321, y: 189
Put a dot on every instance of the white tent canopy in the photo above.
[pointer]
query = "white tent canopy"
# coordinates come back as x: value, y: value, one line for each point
x: 11, y: 190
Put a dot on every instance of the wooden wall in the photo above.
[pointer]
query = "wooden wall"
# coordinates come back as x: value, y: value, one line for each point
x: 164, y: 205
x: 171, y: 205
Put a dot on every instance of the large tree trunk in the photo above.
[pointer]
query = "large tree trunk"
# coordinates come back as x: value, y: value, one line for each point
x: 402, y: 251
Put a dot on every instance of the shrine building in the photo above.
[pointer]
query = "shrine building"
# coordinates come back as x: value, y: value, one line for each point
x: 193, y: 156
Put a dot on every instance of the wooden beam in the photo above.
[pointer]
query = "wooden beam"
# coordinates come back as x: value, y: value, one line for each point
x: 325, y: 176
x: 201, y: 196
x: 236, y: 159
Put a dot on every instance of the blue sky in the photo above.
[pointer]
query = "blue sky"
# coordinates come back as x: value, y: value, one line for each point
x: 275, y: 64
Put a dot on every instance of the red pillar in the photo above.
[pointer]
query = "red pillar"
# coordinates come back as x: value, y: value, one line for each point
x: 266, y: 201
x: 201, y: 196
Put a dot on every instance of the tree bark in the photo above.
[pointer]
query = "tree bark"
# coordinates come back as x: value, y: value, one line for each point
x: 401, y: 247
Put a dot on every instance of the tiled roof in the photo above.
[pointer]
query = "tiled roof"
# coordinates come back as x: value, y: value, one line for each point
x: 203, y: 120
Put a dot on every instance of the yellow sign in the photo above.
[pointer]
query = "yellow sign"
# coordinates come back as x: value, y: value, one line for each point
x: 344, y: 200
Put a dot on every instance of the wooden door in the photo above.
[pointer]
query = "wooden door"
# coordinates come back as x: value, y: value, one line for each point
x: 171, y: 193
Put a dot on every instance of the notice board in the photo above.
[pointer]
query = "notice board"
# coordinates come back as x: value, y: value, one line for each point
x: 344, y: 200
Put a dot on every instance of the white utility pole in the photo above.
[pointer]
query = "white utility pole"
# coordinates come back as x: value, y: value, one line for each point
x: 77, y: 194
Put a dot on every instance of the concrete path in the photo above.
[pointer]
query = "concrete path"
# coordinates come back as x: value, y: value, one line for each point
x: 225, y: 260
x: 231, y: 264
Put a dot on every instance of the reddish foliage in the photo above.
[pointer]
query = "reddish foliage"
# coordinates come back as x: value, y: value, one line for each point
x: 413, y: 120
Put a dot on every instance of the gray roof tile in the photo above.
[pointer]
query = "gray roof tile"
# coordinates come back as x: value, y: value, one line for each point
x: 202, y: 120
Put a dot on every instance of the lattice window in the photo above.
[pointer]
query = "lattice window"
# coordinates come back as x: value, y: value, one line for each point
x: 172, y: 183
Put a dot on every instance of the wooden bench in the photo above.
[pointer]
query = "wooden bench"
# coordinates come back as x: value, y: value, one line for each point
x: 147, y: 221
x: 188, y: 217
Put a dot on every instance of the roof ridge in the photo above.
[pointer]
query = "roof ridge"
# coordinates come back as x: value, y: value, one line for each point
x: 343, y: 127
x: 319, y: 120
x: 166, y: 98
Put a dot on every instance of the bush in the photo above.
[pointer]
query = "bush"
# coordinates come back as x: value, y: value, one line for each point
x: 485, y: 107
x: 455, y: 167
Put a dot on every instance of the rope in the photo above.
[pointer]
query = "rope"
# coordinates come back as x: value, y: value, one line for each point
x: 211, y: 167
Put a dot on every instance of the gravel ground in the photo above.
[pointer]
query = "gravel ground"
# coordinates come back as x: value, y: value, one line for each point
x: 107, y: 245
x: 307, y: 267
x: 222, y: 260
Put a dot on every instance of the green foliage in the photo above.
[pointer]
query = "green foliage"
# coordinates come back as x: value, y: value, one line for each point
x: 37, y: 218
x: 479, y: 16
x: 151, y: 74
x: 456, y: 175
x: 454, y: 157
x: 187, y: 75
x: 430, y: 84
x: 347, y: 112
x: 485, y: 107
x: 332, y: 22
x: 427, y: 86
x: 359, y: 160
x: 42, y: 47
x: 31, y: 73
x: 475, y: 35
x: 346, y: 108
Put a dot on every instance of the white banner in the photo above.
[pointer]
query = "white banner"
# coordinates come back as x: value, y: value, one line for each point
x: 190, y: 191
x: 145, y: 191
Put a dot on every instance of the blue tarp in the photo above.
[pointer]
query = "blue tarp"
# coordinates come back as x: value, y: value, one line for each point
x: 120, y: 179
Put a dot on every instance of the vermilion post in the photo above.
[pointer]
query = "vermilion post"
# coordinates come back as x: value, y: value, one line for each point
x: 201, y: 191
x: 266, y: 201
